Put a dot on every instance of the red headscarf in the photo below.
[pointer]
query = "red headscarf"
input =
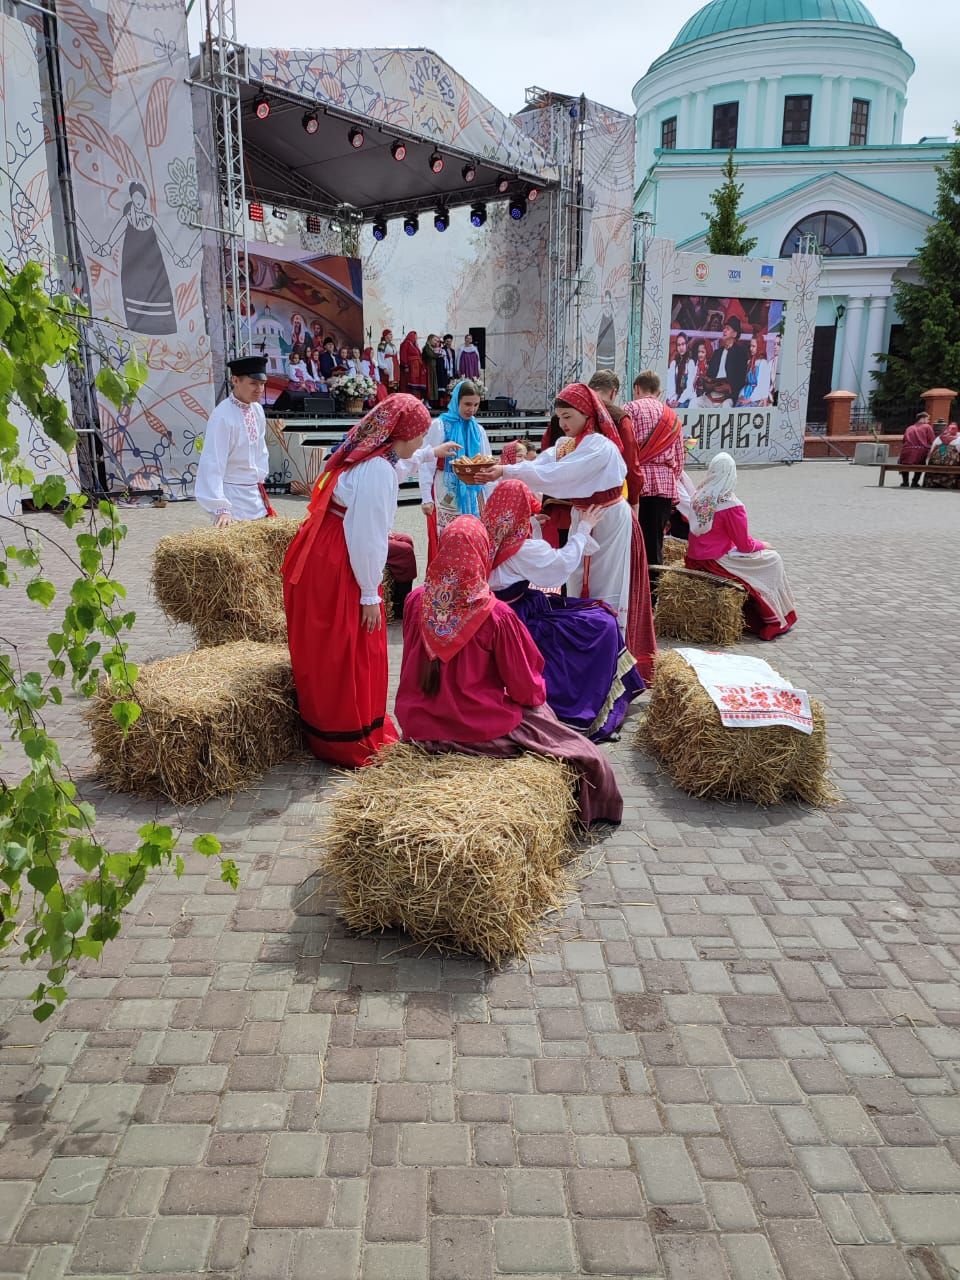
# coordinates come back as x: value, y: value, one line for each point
x: 510, y: 453
x: 457, y: 598
x: 506, y: 518
x: 586, y: 401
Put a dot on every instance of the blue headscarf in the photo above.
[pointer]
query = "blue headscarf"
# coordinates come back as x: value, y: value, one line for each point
x: 466, y: 433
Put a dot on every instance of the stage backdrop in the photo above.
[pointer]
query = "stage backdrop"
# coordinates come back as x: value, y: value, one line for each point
x: 26, y: 218
x: 127, y: 110
x: 732, y: 340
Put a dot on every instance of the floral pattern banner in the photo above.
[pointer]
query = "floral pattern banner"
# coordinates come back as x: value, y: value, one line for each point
x: 129, y: 126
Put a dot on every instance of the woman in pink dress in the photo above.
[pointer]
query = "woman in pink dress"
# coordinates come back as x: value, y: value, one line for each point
x: 720, y: 543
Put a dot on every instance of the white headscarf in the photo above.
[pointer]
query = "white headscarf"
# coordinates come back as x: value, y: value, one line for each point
x: 715, y: 494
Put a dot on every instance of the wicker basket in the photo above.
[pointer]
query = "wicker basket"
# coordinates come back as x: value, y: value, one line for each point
x: 353, y: 405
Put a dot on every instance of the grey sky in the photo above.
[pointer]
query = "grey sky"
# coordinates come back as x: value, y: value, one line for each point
x: 600, y: 48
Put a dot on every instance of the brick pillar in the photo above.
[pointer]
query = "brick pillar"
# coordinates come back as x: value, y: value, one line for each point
x: 839, y: 405
x: 937, y: 403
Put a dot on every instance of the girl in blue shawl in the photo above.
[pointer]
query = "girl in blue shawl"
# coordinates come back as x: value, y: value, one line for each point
x: 442, y: 494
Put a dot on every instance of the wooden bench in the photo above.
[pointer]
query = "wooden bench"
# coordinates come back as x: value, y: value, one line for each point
x: 909, y: 466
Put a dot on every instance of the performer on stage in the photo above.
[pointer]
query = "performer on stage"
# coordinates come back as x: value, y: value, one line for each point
x: 590, y: 675
x: 720, y: 543
x: 471, y: 676
x: 443, y: 495
x: 331, y: 583
x: 234, y: 462
x: 388, y: 360
x: 587, y: 467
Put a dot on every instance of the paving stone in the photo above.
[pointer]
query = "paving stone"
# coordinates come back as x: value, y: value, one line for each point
x: 543, y: 1246
x: 14, y: 1198
x: 921, y: 1170
x: 293, y: 1202
x: 628, y: 1249
x: 604, y: 1193
x: 71, y: 1180
x: 730, y: 1206
x: 178, y: 1245
x: 461, y: 1250
x: 876, y: 1262
x: 109, y: 1244
x: 395, y: 1262
x: 467, y: 1192
x: 435, y: 1144
x: 780, y: 1193
x: 691, y: 1257
x: 396, y: 1205
x: 163, y: 1144
x: 253, y: 1112
x: 806, y: 1251
x: 340, y: 1251
x: 924, y: 1219
x: 750, y: 1258
x: 535, y: 1193
x: 216, y: 1191
x: 754, y: 1136
x: 295, y: 1155
x: 844, y: 1121
x: 829, y: 1169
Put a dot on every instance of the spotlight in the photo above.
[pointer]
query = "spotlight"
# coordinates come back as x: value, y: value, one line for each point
x: 280, y: 214
x: 469, y: 172
x: 503, y: 185
x: 355, y: 138
x: 255, y: 211
x: 478, y: 215
x: 314, y: 224
x: 411, y: 225
x: 261, y: 106
x: 399, y: 150
x: 518, y: 207
x: 310, y: 122
x: 441, y: 219
x: 380, y: 229
x: 533, y: 194
x: 436, y: 162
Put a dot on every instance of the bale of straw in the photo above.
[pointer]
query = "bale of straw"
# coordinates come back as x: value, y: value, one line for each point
x: 225, y: 583
x: 210, y: 722
x: 701, y: 610
x: 460, y: 851
x: 674, y: 551
x: 767, y: 765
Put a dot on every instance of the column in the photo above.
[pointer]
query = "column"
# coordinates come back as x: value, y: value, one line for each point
x: 851, y: 364
x: 772, y: 114
x: 824, y: 131
x: 842, y: 100
x: 751, y: 130
x: 876, y: 332
x: 685, y: 123
x: 701, y: 130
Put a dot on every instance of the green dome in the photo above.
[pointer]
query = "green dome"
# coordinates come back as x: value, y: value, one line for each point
x: 729, y: 15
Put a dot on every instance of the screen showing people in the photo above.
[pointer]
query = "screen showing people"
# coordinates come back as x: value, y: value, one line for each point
x: 724, y: 352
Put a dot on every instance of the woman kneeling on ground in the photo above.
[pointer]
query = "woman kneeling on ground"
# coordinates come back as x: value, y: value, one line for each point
x: 590, y: 675
x: 472, y: 678
x: 720, y: 543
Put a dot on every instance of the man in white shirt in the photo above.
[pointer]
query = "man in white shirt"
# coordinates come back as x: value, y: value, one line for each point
x: 234, y: 461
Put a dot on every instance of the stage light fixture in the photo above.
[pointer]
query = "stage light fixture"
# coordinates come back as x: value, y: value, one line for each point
x: 478, y: 215
x: 380, y: 229
x: 355, y: 138
x: 503, y: 184
x: 533, y: 194
x: 436, y: 162
x: 441, y: 219
x: 469, y: 172
x: 411, y: 225
x: 314, y: 224
x: 280, y: 214
x: 518, y: 207
x: 399, y: 150
x: 310, y: 122
x: 261, y: 106
x: 255, y: 211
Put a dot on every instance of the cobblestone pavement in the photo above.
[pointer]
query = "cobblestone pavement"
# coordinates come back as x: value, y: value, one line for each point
x: 739, y: 1060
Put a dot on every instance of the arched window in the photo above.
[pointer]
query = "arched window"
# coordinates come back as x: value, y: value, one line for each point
x: 835, y: 235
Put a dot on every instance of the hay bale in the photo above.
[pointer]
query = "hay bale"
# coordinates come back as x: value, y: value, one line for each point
x: 682, y: 729
x: 458, y: 850
x: 211, y: 722
x: 225, y: 583
x: 674, y: 551
x: 698, y: 609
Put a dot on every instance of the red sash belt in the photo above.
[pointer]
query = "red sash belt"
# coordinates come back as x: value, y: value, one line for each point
x: 606, y: 498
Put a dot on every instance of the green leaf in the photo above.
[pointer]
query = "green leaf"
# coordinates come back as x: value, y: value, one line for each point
x: 112, y: 386
x: 229, y: 873
x: 126, y: 714
x: 43, y: 1011
x: 42, y: 591
x: 208, y: 845
x: 73, y: 919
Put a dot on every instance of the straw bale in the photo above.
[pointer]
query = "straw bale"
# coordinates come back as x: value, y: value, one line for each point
x: 460, y: 851
x: 674, y: 551
x: 211, y: 722
x: 225, y: 583
x: 697, y: 610
x: 682, y: 729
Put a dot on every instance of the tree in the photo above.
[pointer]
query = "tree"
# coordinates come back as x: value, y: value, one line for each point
x: 725, y: 231
x: 48, y: 839
x: 930, y: 310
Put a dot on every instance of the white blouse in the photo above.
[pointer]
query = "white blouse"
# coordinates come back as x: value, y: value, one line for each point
x: 234, y: 461
x: 539, y: 564
x: 369, y: 493
x: 435, y: 436
x: 594, y: 466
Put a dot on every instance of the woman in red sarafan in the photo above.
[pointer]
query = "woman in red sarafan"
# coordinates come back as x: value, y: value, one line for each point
x: 331, y: 583
x: 472, y: 677
x: 720, y: 543
x: 413, y: 372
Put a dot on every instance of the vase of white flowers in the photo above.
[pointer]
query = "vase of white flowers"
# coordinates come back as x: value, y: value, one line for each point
x: 352, y: 389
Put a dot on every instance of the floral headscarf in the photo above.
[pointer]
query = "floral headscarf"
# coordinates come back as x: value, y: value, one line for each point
x: 457, y: 598
x: 506, y: 518
x: 586, y: 401
x: 715, y: 493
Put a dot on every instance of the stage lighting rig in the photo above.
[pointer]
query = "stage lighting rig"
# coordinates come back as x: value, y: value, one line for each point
x: 441, y: 219
x: 469, y: 172
x: 436, y: 162
x: 533, y: 194
x: 261, y: 106
x: 279, y: 214
x: 355, y: 138
x: 503, y: 184
x: 478, y: 215
x: 310, y: 122
x: 314, y: 224
x: 399, y: 150
x: 380, y: 229
x: 411, y: 225
x: 518, y: 207
x: 255, y: 211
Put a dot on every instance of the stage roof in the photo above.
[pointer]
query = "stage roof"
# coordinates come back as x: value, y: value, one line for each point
x: 406, y: 94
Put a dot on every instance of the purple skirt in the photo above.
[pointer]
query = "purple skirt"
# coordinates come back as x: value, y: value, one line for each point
x: 541, y: 733
x: 591, y: 678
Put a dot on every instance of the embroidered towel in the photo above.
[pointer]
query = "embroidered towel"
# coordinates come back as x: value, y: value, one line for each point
x: 748, y: 692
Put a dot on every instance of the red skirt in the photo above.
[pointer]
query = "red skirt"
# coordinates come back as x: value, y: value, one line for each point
x: 339, y: 669
x: 640, y: 635
x: 758, y: 615
x: 401, y: 557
